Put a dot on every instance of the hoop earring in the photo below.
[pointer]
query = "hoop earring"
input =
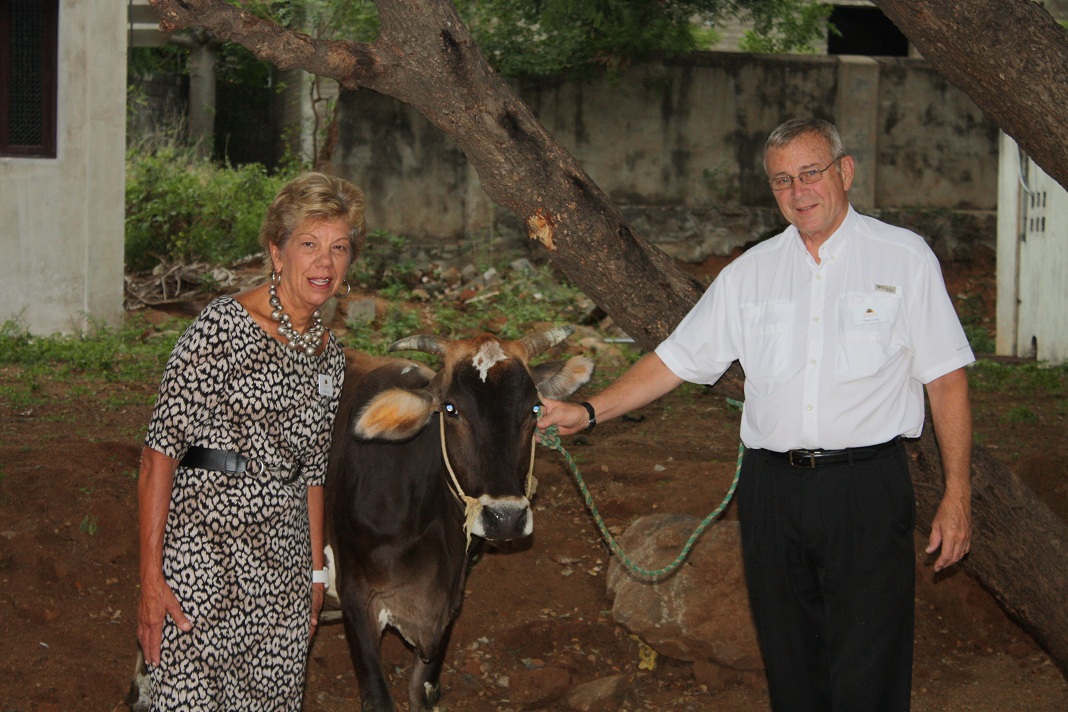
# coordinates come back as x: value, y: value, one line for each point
x: 276, y: 276
x: 348, y: 290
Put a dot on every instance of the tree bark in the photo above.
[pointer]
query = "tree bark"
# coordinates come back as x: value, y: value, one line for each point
x: 1009, y: 56
x: 425, y: 57
x: 1018, y: 544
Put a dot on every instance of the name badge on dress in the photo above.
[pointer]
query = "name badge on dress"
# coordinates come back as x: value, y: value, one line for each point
x: 326, y: 385
x: 869, y: 314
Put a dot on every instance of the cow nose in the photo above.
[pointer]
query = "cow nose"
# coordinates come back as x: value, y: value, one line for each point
x: 505, y: 519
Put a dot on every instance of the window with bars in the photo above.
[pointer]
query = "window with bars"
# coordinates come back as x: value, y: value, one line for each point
x: 28, y: 59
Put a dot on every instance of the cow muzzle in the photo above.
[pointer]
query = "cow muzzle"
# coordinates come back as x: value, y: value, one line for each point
x: 504, y: 518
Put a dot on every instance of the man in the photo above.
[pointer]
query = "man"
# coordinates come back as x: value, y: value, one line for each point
x: 838, y: 322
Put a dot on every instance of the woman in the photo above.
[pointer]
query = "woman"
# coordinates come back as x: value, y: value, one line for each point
x: 231, y: 481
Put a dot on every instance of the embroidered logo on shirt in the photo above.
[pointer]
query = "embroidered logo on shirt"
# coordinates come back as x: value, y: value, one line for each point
x: 887, y: 288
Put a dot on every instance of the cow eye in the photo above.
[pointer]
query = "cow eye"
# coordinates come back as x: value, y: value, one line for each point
x: 450, y: 409
x: 537, y: 410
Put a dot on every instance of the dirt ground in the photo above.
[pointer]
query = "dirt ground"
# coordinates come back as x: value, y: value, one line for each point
x: 68, y: 563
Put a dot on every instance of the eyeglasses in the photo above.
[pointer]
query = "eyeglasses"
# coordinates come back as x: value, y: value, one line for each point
x: 815, y: 175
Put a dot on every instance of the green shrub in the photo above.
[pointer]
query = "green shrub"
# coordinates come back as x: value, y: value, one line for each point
x: 183, y: 208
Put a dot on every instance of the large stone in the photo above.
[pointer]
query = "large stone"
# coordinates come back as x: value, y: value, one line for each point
x: 533, y: 689
x: 602, y: 695
x: 701, y: 612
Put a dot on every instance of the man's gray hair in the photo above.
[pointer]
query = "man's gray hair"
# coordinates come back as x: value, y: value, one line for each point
x: 793, y: 129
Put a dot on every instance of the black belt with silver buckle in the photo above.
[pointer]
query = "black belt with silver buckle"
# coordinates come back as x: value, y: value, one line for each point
x: 206, y: 458
x: 811, y: 459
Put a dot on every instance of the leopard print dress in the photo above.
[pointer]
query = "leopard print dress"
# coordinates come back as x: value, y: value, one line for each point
x: 237, y: 549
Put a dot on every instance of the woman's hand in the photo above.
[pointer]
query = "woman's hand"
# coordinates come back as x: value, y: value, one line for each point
x: 318, y: 593
x: 157, y: 602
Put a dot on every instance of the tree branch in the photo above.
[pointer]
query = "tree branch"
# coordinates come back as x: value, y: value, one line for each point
x: 352, y: 64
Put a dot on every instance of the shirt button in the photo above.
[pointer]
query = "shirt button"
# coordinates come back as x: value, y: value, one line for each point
x: 813, y: 362
x: 816, y: 319
x: 819, y: 276
x: 808, y: 407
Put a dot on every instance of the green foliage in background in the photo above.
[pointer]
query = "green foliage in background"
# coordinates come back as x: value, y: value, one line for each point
x: 522, y: 301
x: 547, y: 37
x: 183, y: 208
x: 355, y: 20
x: 782, y: 26
x: 137, y: 351
x: 527, y: 38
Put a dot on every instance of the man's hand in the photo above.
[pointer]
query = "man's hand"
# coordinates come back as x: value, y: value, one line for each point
x: 569, y: 418
x: 952, y: 531
x: 952, y: 526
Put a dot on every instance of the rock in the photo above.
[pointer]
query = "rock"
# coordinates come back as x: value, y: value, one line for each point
x: 360, y: 311
x: 469, y: 272
x: 602, y: 695
x: 701, y: 612
x: 523, y: 266
x: 531, y: 689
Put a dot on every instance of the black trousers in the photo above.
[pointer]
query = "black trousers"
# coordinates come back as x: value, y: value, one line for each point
x: 830, y: 567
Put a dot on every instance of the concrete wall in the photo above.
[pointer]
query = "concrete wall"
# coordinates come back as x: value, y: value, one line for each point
x: 678, y: 147
x: 61, y: 237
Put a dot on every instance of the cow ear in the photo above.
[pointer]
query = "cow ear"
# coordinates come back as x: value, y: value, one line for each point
x: 559, y: 379
x: 394, y: 414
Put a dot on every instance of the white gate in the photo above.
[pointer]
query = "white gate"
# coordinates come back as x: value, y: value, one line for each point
x: 1032, y: 261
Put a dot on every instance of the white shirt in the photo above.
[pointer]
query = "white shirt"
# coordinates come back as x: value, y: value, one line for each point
x: 835, y: 354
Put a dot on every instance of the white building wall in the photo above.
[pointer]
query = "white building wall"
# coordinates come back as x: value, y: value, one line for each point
x: 61, y: 236
x: 1032, y: 260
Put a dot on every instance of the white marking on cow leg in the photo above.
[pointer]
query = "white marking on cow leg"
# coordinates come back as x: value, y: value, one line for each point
x: 487, y: 357
x: 385, y: 618
x: 331, y: 568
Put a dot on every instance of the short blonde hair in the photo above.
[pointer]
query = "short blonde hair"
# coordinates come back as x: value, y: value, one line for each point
x: 314, y: 196
x: 790, y: 131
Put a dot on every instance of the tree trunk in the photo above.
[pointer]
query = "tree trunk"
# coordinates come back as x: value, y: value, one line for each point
x: 425, y: 57
x: 1018, y: 544
x: 1009, y: 56
x: 202, y: 60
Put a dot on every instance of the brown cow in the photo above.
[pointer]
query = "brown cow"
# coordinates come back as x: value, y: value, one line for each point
x: 426, y: 467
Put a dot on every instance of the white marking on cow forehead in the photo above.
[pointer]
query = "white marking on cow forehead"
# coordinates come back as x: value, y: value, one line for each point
x: 487, y: 357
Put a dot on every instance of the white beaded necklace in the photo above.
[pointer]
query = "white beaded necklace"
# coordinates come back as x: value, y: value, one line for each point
x: 309, y: 341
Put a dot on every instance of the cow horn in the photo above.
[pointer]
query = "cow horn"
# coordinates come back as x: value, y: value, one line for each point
x: 542, y: 340
x: 426, y: 343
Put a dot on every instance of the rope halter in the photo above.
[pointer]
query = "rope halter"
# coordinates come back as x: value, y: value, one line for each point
x: 473, y: 507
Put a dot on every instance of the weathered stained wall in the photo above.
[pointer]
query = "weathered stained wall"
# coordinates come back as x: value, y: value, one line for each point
x: 678, y: 146
x: 61, y: 237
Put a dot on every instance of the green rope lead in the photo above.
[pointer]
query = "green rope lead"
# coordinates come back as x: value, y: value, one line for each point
x: 550, y: 439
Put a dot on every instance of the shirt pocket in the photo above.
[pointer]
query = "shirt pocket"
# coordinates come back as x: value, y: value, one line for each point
x: 867, y: 328
x: 766, y: 335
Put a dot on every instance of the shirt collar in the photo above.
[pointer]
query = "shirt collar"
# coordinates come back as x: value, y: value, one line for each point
x: 835, y: 244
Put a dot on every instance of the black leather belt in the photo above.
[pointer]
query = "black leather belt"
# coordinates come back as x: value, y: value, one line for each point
x: 811, y: 459
x: 206, y: 458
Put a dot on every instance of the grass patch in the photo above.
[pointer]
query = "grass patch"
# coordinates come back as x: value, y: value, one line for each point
x: 1027, y: 378
x: 135, y: 352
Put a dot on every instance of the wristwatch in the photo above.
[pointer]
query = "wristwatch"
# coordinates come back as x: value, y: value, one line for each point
x: 591, y: 413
